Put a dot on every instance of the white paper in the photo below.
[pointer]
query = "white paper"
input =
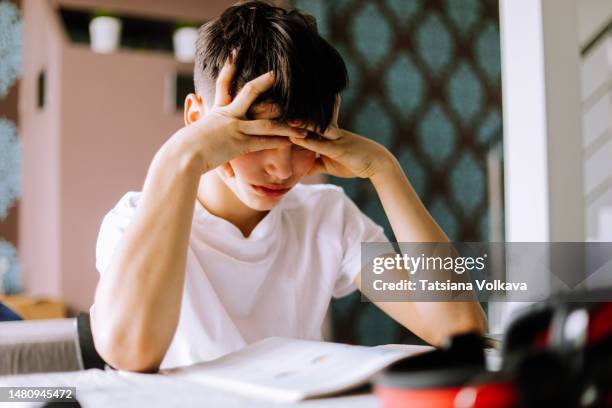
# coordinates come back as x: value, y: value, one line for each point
x: 286, y: 370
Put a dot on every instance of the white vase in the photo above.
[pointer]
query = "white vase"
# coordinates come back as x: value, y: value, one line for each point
x: 184, y: 40
x: 105, y: 33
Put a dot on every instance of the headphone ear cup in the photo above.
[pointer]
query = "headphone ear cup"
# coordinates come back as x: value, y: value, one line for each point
x: 527, y: 330
x: 541, y: 381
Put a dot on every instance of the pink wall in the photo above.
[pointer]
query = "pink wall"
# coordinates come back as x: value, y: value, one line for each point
x: 39, y: 222
x: 113, y: 122
x: 104, y: 119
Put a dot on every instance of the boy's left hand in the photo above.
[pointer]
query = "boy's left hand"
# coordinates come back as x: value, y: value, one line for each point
x: 343, y: 153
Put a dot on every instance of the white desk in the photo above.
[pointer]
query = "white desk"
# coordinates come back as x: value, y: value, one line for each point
x: 98, y: 388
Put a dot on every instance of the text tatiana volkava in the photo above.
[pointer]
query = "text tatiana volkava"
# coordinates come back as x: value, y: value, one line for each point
x: 448, y: 285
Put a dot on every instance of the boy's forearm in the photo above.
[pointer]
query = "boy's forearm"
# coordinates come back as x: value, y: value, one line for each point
x: 138, y: 298
x: 411, y: 222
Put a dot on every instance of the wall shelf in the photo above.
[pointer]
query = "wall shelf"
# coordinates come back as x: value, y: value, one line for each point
x: 137, y: 32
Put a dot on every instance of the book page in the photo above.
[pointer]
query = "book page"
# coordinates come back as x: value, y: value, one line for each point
x: 289, y: 370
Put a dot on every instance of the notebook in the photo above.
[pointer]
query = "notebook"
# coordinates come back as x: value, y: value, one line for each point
x: 287, y: 370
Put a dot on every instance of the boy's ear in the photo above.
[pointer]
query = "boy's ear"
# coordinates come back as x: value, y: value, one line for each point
x: 194, y: 108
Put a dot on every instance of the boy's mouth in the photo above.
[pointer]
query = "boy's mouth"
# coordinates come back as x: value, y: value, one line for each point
x: 269, y: 190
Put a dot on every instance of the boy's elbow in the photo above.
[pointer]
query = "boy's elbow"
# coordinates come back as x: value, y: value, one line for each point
x: 473, y: 319
x: 479, y: 320
x: 128, y: 356
x: 126, y: 352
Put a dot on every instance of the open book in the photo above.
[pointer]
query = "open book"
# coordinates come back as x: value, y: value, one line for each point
x: 286, y: 370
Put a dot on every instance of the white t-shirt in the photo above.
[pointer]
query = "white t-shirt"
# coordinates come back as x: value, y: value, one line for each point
x: 277, y: 282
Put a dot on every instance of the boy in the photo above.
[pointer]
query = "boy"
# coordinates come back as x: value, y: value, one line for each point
x: 223, y: 246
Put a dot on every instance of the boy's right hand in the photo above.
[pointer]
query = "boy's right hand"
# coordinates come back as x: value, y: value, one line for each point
x: 223, y: 132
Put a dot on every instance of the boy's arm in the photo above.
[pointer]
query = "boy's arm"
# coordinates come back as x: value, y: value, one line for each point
x: 411, y: 222
x: 137, y: 301
x: 346, y: 154
x: 138, y: 298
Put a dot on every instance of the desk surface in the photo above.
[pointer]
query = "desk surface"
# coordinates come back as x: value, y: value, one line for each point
x: 98, y: 388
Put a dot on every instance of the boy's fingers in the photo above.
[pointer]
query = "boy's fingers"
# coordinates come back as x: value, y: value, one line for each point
x: 323, y: 147
x: 330, y: 133
x: 249, y: 92
x: 224, y: 82
x: 266, y: 127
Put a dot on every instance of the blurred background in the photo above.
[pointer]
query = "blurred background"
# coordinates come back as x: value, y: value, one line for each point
x: 500, y: 113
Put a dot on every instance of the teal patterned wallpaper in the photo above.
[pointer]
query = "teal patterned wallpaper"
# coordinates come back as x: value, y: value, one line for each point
x: 10, y: 148
x: 10, y: 46
x: 425, y: 81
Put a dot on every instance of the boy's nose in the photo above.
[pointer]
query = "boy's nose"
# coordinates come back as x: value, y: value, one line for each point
x: 278, y: 163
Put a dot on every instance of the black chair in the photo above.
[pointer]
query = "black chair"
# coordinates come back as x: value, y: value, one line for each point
x: 86, y: 351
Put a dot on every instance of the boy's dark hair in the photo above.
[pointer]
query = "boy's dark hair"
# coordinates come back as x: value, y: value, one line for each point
x: 309, y: 72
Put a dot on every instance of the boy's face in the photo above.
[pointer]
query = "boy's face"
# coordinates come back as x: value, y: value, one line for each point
x: 261, y: 179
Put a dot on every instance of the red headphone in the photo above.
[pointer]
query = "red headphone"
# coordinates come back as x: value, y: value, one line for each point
x: 555, y: 354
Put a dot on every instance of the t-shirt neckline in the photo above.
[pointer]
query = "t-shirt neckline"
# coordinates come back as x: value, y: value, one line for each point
x: 261, y: 231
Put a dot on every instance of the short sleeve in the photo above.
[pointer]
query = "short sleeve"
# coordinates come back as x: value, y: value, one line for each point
x: 114, y: 225
x: 357, y: 228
